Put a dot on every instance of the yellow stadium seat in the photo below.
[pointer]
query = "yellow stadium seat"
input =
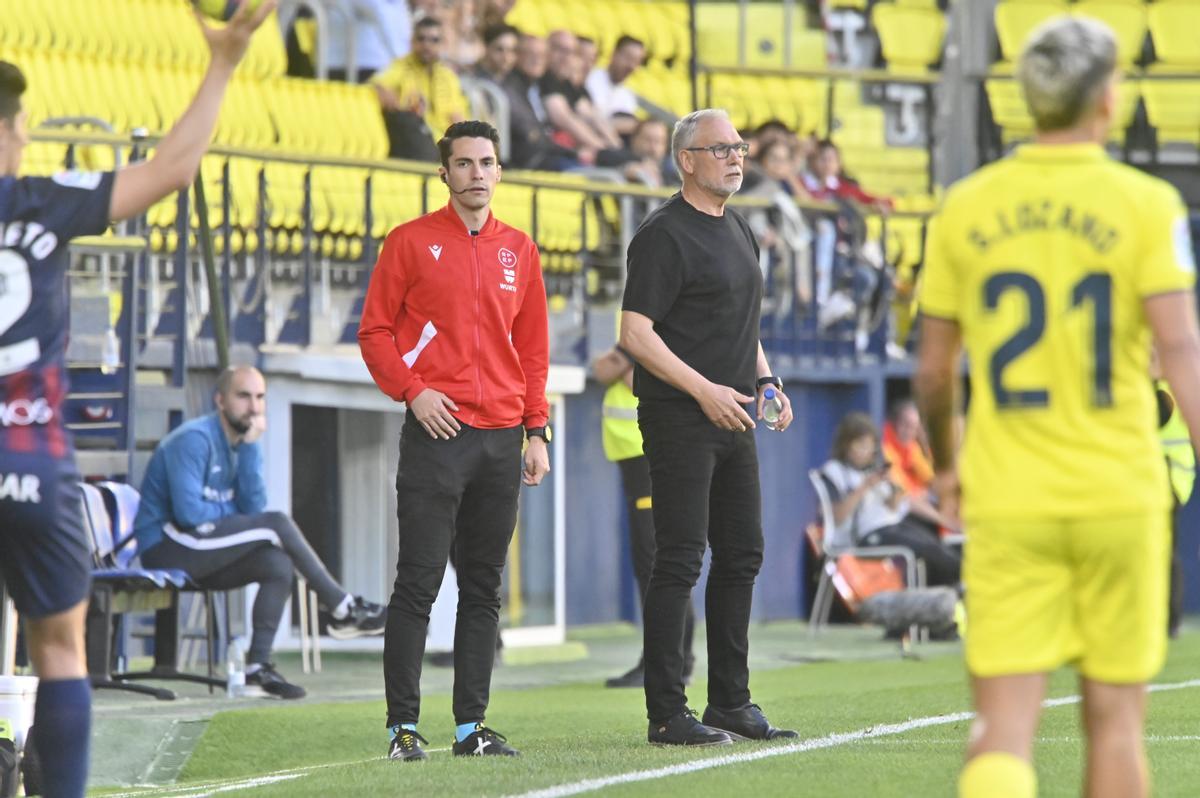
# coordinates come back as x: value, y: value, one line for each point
x: 1173, y: 108
x: 1016, y: 20
x: 1008, y: 108
x: 911, y: 37
x: 1127, y: 21
x: 1175, y: 29
x: 717, y: 41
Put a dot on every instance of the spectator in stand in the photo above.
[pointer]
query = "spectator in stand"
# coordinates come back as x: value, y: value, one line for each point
x: 869, y: 509
x: 568, y: 106
x: 461, y: 46
x: 776, y: 162
x: 650, y: 144
x: 613, y: 101
x: 499, y: 54
x: 589, y: 54
x: 374, y: 47
x: 783, y: 233
x: 904, y: 448
x: 532, y: 147
x: 493, y: 12
x: 420, y: 87
x: 827, y: 180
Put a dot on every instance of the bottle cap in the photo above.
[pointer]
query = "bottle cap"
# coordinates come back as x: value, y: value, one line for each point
x: 769, y: 394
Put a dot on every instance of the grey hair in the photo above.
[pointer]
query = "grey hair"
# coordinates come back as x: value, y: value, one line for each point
x: 685, y: 130
x: 1064, y: 68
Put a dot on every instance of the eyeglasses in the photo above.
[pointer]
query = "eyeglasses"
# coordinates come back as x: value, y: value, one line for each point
x: 722, y: 151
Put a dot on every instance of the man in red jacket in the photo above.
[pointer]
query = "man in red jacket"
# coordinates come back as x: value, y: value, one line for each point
x: 454, y: 325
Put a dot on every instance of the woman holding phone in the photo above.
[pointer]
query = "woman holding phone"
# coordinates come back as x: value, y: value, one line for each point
x: 869, y: 509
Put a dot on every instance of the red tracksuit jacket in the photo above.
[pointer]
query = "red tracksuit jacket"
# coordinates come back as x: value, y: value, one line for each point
x: 462, y: 314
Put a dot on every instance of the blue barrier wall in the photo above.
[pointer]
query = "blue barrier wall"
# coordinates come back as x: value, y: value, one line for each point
x: 599, y: 581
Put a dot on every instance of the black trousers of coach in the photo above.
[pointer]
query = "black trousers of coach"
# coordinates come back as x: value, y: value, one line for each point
x: 706, y: 493
x: 459, y: 493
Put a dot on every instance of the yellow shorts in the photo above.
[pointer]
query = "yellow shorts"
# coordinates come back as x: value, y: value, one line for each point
x: 1090, y: 592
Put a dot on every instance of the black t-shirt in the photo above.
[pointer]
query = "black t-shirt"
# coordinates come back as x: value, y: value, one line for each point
x: 697, y: 277
x: 551, y: 84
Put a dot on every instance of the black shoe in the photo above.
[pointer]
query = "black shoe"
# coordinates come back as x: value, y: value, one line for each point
x: 747, y: 723
x: 268, y: 680
x: 634, y: 677
x: 682, y: 728
x: 406, y: 746
x: 484, y: 742
x: 365, y: 618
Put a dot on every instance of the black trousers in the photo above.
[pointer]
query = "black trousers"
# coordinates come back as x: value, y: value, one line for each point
x: 460, y: 493
x: 635, y: 484
x: 266, y: 548
x: 942, y: 566
x: 706, y: 494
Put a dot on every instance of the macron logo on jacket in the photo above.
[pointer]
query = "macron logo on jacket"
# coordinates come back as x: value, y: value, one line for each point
x: 436, y: 250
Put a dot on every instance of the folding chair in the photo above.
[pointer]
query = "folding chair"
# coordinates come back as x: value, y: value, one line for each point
x: 119, y: 587
x: 829, y: 550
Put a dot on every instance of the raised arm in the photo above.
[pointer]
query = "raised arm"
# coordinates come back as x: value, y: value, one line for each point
x: 177, y: 157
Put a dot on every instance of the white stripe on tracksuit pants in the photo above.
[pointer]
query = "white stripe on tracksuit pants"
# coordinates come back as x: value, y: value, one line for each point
x: 264, y: 548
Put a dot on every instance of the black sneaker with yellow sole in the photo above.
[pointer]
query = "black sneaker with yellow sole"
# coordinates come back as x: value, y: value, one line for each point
x: 406, y: 746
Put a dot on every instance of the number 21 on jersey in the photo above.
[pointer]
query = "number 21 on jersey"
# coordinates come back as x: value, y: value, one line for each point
x: 1092, y: 294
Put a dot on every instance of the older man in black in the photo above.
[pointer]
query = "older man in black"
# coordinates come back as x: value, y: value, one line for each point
x: 690, y: 319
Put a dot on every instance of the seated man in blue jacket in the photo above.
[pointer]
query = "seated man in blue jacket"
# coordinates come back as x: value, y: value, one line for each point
x: 202, y: 511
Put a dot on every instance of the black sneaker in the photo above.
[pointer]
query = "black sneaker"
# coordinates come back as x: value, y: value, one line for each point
x: 634, y: 677
x: 746, y: 723
x: 683, y: 729
x: 365, y: 618
x: 268, y: 680
x: 484, y: 742
x: 406, y: 746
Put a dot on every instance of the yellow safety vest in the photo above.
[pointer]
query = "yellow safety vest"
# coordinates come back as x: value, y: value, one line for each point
x: 1177, y: 448
x: 619, y: 432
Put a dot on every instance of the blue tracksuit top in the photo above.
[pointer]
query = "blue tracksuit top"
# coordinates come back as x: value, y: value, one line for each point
x: 195, y: 477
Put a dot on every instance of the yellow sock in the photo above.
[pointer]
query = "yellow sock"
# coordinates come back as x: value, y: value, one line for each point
x: 997, y: 775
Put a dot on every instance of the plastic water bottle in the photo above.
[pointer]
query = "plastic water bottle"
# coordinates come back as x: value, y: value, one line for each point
x: 772, y: 407
x: 110, y: 354
x: 235, y: 668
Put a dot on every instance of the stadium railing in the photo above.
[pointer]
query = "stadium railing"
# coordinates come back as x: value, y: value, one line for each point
x: 296, y: 237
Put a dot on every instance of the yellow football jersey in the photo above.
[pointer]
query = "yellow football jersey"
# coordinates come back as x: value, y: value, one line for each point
x: 1044, y: 259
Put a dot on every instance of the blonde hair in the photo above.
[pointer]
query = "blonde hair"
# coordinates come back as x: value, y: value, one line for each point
x: 1064, y: 68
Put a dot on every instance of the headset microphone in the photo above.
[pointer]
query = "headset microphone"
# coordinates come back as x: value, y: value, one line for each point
x: 452, y: 188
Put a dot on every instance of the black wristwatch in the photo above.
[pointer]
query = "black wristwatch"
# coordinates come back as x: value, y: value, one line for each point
x: 778, y: 383
x: 539, y: 432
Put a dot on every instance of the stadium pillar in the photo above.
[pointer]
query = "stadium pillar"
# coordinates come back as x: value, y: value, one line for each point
x: 967, y: 58
x: 694, y: 58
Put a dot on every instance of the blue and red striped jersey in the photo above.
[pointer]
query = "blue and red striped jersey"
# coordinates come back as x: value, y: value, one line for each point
x: 38, y: 218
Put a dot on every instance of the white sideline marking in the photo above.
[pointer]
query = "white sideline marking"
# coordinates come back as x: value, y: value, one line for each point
x: 258, y: 782
x: 223, y: 785
x: 813, y: 744
x: 959, y: 741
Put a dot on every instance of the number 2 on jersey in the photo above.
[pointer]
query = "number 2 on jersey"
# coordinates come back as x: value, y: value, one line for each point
x: 1094, y: 289
x: 16, y: 294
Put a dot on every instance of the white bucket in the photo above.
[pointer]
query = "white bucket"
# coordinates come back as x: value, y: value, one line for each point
x: 17, y: 697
